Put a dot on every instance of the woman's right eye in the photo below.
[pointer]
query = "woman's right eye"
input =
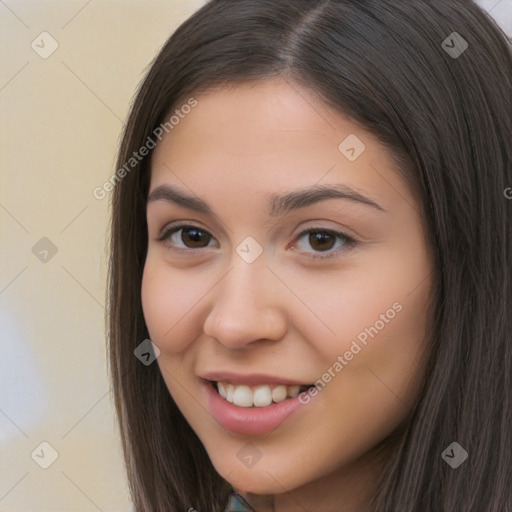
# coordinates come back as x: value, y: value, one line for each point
x: 186, y: 237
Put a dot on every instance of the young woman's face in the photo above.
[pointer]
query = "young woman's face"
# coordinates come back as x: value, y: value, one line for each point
x: 291, y: 253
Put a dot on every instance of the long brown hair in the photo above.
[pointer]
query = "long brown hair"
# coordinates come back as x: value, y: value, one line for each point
x: 444, y: 111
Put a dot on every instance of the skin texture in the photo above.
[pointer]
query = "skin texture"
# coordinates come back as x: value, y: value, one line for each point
x: 286, y: 314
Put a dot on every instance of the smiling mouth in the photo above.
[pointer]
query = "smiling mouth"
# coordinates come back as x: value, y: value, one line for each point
x: 261, y: 395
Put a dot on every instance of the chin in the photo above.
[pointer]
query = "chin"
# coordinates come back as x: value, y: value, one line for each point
x: 258, y: 479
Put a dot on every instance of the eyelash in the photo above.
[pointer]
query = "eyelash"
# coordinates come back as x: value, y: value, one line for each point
x: 349, y: 242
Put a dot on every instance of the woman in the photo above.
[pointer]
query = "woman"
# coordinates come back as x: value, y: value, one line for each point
x: 311, y: 224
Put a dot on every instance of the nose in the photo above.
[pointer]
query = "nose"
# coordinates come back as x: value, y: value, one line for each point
x: 245, y: 306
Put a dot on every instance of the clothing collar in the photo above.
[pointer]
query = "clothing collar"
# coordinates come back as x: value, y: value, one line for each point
x: 236, y: 503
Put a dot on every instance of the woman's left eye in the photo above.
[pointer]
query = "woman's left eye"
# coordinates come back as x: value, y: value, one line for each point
x: 325, y: 241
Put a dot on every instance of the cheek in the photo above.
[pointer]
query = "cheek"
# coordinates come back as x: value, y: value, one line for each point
x: 373, y: 317
x: 167, y: 298
x: 360, y: 310
x: 153, y: 297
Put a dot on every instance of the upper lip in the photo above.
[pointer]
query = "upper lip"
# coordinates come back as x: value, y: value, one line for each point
x: 251, y: 379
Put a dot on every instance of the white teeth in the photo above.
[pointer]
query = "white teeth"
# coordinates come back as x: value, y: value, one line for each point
x: 279, y: 393
x: 257, y: 396
x: 294, y: 390
x: 262, y: 396
x: 243, y: 396
x: 230, y: 389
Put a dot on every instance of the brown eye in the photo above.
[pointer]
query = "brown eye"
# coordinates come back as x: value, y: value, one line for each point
x: 323, y: 241
x: 193, y: 237
x: 187, y: 237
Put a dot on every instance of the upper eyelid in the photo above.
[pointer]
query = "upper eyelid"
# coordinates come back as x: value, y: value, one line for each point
x: 183, y: 224
x: 270, y: 224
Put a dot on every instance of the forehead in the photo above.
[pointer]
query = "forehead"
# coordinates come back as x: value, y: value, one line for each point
x: 263, y: 110
x: 267, y: 135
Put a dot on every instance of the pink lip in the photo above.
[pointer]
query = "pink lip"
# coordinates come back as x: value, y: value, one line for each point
x: 248, y: 420
x: 250, y: 379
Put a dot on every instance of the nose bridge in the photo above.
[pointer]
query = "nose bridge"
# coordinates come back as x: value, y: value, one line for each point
x: 245, y: 288
x: 244, y: 307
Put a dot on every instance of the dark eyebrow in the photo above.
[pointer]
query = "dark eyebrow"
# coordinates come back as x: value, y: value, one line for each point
x: 278, y: 204
x: 176, y: 196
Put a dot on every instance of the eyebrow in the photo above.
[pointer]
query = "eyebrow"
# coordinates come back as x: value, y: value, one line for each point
x: 278, y: 204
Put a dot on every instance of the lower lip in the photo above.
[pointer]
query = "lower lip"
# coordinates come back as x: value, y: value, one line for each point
x: 248, y: 420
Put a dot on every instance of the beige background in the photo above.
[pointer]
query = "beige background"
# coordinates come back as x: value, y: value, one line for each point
x: 61, y: 117
x: 60, y: 122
